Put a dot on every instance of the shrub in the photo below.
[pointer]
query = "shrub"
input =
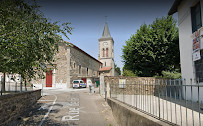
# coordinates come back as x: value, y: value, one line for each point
x: 128, y: 73
x: 172, y: 75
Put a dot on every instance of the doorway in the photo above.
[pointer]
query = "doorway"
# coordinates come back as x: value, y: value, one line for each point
x: 49, y: 78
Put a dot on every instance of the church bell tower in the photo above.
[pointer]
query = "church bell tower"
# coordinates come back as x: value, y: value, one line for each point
x: 106, y: 52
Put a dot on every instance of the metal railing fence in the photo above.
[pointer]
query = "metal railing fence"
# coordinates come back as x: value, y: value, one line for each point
x: 14, y: 87
x: 172, y: 101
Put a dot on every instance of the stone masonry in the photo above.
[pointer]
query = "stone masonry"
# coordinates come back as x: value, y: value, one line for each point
x: 134, y: 85
x: 12, y: 105
x: 89, y: 65
x: 62, y: 75
x: 72, y: 63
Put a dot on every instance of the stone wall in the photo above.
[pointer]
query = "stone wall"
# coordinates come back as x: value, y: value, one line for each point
x: 134, y: 85
x: 127, y: 116
x: 67, y: 62
x: 109, y: 60
x: 62, y: 65
x: 60, y: 71
x: 79, y: 58
x: 12, y: 105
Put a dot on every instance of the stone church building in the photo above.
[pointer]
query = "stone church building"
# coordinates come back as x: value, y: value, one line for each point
x: 106, y: 53
x: 72, y: 63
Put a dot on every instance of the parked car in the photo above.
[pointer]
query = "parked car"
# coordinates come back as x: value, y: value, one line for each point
x: 79, y: 83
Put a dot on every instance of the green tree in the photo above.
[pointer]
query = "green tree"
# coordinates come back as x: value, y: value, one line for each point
x: 128, y: 73
x: 117, y: 69
x: 153, y: 48
x: 169, y: 75
x: 27, y: 38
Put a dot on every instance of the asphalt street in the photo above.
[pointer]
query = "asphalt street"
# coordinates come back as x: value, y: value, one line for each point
x: 70, y: 107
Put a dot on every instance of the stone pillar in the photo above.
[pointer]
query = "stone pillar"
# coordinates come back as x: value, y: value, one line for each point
x: 108, y: 89
x: 102, y: 85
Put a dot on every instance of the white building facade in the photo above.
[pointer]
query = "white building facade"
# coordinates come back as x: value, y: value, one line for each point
x: 190, y: 17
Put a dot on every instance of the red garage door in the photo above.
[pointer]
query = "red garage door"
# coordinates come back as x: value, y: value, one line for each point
x: 49, y: 78
x: 84, y: 79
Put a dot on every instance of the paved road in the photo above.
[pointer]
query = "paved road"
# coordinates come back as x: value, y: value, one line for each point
x: 73, y: 107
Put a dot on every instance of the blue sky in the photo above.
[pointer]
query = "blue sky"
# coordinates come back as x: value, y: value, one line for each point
x: 87, y: 17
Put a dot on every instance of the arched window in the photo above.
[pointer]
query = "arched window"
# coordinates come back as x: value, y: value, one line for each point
x: 103, y: 52
x: 107, y: 50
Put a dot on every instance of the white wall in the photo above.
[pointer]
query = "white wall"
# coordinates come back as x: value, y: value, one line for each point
x: 185, y: 42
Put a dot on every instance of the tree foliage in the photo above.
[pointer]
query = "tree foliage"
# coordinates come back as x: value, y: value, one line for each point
x: 27, y: 38
x: 153, y: 48
x: 128, y: 73
x: 118, y: 69
x: 169, y: 75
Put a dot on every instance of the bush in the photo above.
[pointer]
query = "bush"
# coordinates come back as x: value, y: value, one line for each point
x: 128, y: 73
x: 172, y: 75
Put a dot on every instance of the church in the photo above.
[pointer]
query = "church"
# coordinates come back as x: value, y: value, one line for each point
x: 75, y: 64
x: 106, y: 53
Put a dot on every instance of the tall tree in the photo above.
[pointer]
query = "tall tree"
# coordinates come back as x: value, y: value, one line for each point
x: 118, y: 69
x: 128, y: 73
x: 153, y: 48
x: 27, y: 38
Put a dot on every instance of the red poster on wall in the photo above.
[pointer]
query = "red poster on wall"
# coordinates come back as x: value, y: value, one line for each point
x: 196, y: 46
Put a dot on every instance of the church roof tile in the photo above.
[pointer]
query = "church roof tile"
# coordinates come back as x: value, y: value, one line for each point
x: 105, y: 68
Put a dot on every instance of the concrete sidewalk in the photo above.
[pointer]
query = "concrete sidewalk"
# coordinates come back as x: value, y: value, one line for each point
x: 172, y: 111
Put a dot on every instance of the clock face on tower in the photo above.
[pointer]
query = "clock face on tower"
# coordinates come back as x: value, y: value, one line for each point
x: 105, y: 43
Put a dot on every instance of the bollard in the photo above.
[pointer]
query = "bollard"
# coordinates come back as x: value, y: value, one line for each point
x: 90, y: 88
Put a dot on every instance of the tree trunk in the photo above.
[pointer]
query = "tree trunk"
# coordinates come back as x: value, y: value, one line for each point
x: 3, y: 83
x: 21, y: 84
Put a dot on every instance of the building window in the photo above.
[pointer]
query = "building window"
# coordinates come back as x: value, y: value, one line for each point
x: 199, y: 68
x: 107, y: 52
x: 103, y: 52
x: 105, y: 63
x: 74, y: 65
x: 79, y: 69
x: 87, y: 71
x: 196, y: 24
x: 93, y: 73
x: 196, y: 17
